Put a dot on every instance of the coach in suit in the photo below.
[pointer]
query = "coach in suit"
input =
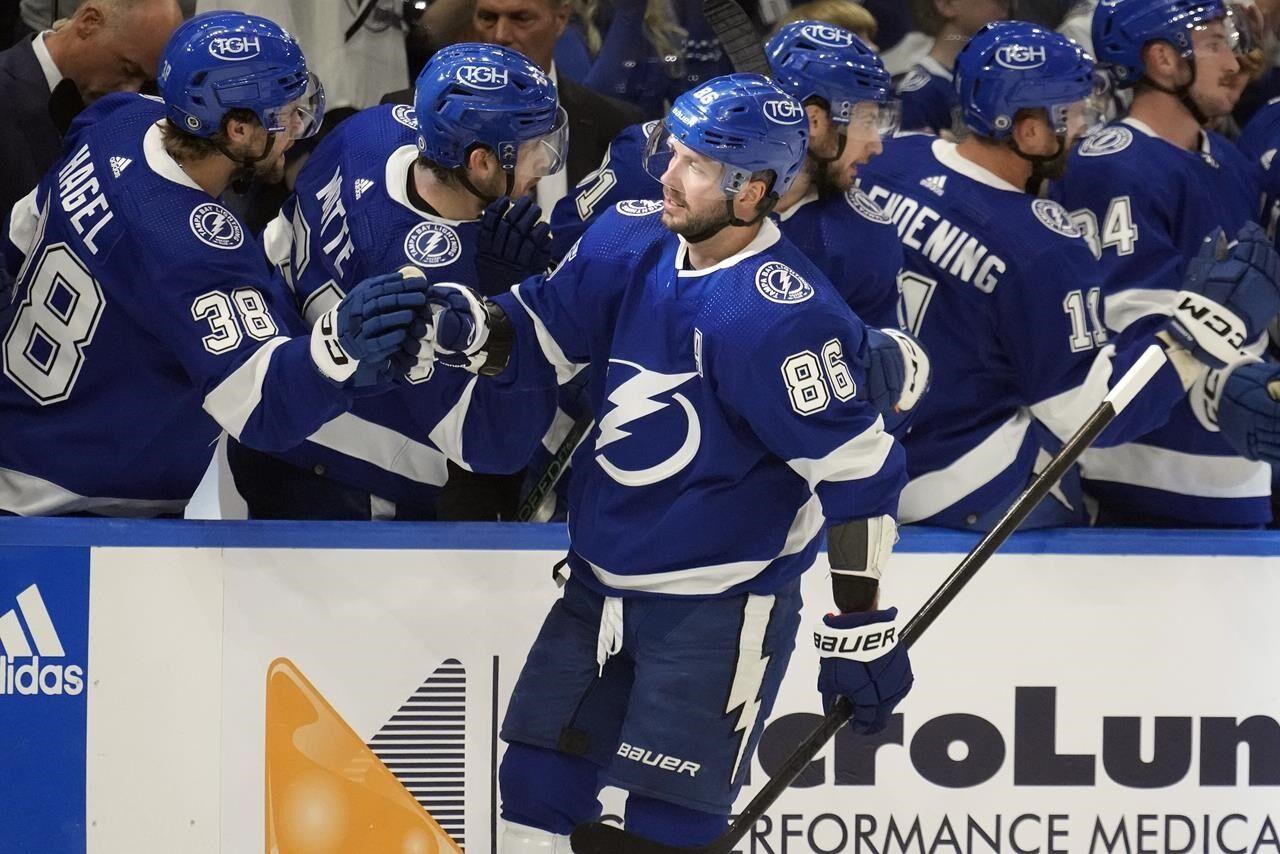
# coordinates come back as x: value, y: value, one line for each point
x: 108, y: 46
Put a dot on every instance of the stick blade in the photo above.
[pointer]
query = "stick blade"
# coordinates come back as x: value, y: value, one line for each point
x: 596, y: 837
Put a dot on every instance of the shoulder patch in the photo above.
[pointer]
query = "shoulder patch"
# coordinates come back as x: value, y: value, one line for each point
x: 216, y: 226
x: 915, y: 80
x: 861, y: 202
x: 638, y: 207
x: 432, y: 244
x: 1055, y: 218
x: 403, y: 113
x: 778, y: 283
x: 1109, y: 140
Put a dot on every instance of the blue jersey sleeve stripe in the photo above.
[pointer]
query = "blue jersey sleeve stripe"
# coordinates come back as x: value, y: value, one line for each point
x: 232, y: 401
x: 565, y: 369
x: 383, y: 447
x: 1202, y: 475
x: 931, y: 493
x: 861, y: 457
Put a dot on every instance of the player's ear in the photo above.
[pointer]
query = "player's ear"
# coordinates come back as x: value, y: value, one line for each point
x: 818, y: 119
x: 482, y: 162
x: 1160, y: 61
x: 1032, y: 133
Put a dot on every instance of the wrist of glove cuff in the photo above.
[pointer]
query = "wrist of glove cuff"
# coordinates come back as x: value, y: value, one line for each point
x: 327, y: 352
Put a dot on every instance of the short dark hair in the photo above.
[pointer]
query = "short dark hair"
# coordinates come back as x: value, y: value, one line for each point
x: 182, y: 145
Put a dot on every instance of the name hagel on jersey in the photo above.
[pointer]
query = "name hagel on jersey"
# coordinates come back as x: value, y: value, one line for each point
x: 1003, y: 292
x: 744, y: 373
x: 1144, y: 238
x: 350, y: 217
x: 144, y: 322
x: 846, y: 236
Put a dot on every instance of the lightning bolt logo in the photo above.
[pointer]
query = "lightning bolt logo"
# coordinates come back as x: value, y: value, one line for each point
x: 748, y: 676
x: 433, y: 242
x: 219, y: 220
x: 633, y: 400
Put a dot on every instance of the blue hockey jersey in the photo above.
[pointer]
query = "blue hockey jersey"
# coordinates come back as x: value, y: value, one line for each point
x: 928, y: 95
x: 1004, y: 294
x: 144, y: 321
x: 1183, y: 472
x: 1259, y: 142
x: 350, y: 218
x: 846, y: 236
x: 728, y: 429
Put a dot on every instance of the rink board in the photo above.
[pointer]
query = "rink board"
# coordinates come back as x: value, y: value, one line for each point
x: 1088, y: 692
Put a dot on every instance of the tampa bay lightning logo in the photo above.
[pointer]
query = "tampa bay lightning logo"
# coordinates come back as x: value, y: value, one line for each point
x: 1109, y: 140
x: 403, y: 113
x: 214, y: 225
x: 1055, y: 217
x: 779, y: 283
x: 638, y: 207
x: 861, y: 202
x: 641, y: 403
x: 432, y: 244
x: 915, y: 80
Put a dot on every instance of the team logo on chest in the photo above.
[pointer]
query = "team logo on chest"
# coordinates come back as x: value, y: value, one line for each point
x: 1055, y: 217
x: 638, y: 207
x: 777, y: 282
x: 215, y: 226
x: 1109, y: 140
x: 432, y: 244
x: 639, y: 402
x: 403, y: 113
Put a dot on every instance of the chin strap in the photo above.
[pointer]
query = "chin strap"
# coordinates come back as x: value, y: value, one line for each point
x: 245, y: 166
x: 1183, y: 94
x: 461, y: 173
x: 840, y: 146
x: 1044, y: 167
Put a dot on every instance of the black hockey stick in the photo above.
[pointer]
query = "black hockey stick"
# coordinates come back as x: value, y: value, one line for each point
x: 738, y: 35
x: 600, y: 838
x: 555, y: 469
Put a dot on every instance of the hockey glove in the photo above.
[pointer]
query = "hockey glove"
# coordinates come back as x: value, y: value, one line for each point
x: 366, y: 329
x: 1228, y: 296
x: 899, y: 372
x: 862, y: 660
x: 1249, y: 411
x: 468, y: 331
x: 512, y: 244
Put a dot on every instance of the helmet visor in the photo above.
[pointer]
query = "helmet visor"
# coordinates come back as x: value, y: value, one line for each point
x: 301, y: 117
x: 681, y: 169
x: 545, y: 155
x: 1215, y: 39
x: 1078, y: 119
x: 871, y: 120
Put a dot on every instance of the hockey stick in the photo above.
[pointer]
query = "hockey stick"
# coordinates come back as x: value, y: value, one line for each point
x: 738, y: 35
x: 600, y: 838
x: 555, y: 469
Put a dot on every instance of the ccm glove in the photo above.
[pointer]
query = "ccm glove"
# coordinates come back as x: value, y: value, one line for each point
x: 353, y: 342
x: 862, y: 660
x: 1228, y: 296
x: 1249, y: 411
x: 512, y: 244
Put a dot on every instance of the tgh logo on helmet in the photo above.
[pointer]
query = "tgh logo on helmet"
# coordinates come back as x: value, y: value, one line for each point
x: 235, y: 48
x: 1020, y: 57
x: 828, y: 35
x: 783, y: 112
x: 483, y: 76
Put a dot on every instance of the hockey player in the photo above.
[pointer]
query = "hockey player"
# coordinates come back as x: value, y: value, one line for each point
x: 844, y: 88
x: 1003, y: 290
x: 144, y: 321
x: 392, y: 186
x: 723, y: 366
x: 1148, y: 190
x: 928, y: 90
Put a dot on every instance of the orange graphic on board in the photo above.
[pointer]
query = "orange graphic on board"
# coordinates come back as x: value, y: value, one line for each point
x: 327, y: 793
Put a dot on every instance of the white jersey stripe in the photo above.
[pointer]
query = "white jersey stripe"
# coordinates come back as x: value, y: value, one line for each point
x: 861, y: 457
x: 383, y: 447
x: 935, y: 491
x: 565, y: 369
x: 1125, y: 307
x: 1066, y: 411
x: 28, y: 495
x: 1177, y: 471
x: 447, y: 434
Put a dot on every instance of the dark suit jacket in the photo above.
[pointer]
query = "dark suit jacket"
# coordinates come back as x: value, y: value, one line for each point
x: 29, y: 141
x: 594, y: 120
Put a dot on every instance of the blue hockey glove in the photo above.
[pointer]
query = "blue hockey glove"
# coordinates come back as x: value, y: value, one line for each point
x: 464, y: 330
x: 862, y: 660
x: 512, y: 244
x: 367, y: 328
x: 899, y: 372
x: 1249, y: 411
x: 1228, y: 296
